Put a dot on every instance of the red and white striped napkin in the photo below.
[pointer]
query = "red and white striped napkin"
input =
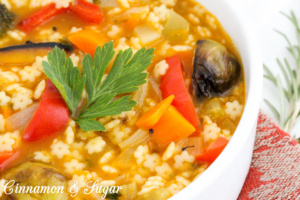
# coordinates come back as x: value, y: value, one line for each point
x: 275, y: 166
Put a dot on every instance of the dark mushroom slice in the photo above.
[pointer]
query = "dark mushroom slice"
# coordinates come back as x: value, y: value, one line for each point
x: 215, y: 70
x: 26, y: 54
x: 36, y: 174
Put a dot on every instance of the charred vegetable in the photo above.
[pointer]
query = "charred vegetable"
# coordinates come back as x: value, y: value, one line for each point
x: 215, y: 69
x: 7, y: 19
x: 24, y: 54
x: 36, y: 174
x: 45, y: 45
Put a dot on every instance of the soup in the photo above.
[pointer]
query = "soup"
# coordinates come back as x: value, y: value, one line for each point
x: 115, y: 99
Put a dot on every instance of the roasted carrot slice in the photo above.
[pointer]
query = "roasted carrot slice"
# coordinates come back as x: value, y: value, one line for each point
x: 171, y: 127
x: 131, y: 23
x: 88, y: 40
x: 152, y: 116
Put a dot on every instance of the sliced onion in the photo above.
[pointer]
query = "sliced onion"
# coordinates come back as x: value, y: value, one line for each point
x: 125, y: 158
x: 131, y: 13
x: 129, y: 191
x: 155, y: 87
x: 21, y: 119
x: 140, y: 95
x: 194, y: 146
x: 137, y: 138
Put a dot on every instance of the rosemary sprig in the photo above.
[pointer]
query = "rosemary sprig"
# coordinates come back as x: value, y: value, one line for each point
x: 289, y: 92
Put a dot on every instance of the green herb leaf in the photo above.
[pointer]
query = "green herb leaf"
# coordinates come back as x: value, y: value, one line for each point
x: 87, y: 125
x: 274, y: 110
x: 103, y: 107
x: 113, y: 196
x: 94, y: 70
x: 65, y: 77
x: 127, y: 73
x: 125, y: 76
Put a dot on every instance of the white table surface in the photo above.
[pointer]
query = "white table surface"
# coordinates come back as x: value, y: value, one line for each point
x: 274, y: 46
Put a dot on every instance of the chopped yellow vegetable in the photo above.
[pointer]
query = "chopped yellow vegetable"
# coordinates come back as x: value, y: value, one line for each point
x: 146, y: 34
x: 152, y: 116
x: 171, y: 127
x: 176, y: 28
x: 213, y: 108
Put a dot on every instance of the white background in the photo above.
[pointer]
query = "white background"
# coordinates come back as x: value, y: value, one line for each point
x: 274, y: 46
x: 264, y: 16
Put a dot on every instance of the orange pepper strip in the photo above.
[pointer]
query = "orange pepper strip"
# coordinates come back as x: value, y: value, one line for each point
x: 171, y: 127
x: 152, y: 116
x: 214, y: 150
x: 88, y: 40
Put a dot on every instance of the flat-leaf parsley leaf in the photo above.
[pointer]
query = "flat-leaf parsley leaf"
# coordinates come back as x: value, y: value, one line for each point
x: 65, y: 77
x: 127, y: 73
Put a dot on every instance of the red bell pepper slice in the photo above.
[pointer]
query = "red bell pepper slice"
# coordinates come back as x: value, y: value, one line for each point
x: 6, y: 158
x: 172, y: 83
x: 214, y: 150
x: 87, y: 11
x: 5, y: 155
x: 51, y: 116
x: 40, y: 16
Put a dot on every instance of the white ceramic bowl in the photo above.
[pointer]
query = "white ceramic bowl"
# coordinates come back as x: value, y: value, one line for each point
x: 225, y: 177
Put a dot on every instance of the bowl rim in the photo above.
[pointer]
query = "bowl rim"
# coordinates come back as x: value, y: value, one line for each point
x: 253, y: 98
